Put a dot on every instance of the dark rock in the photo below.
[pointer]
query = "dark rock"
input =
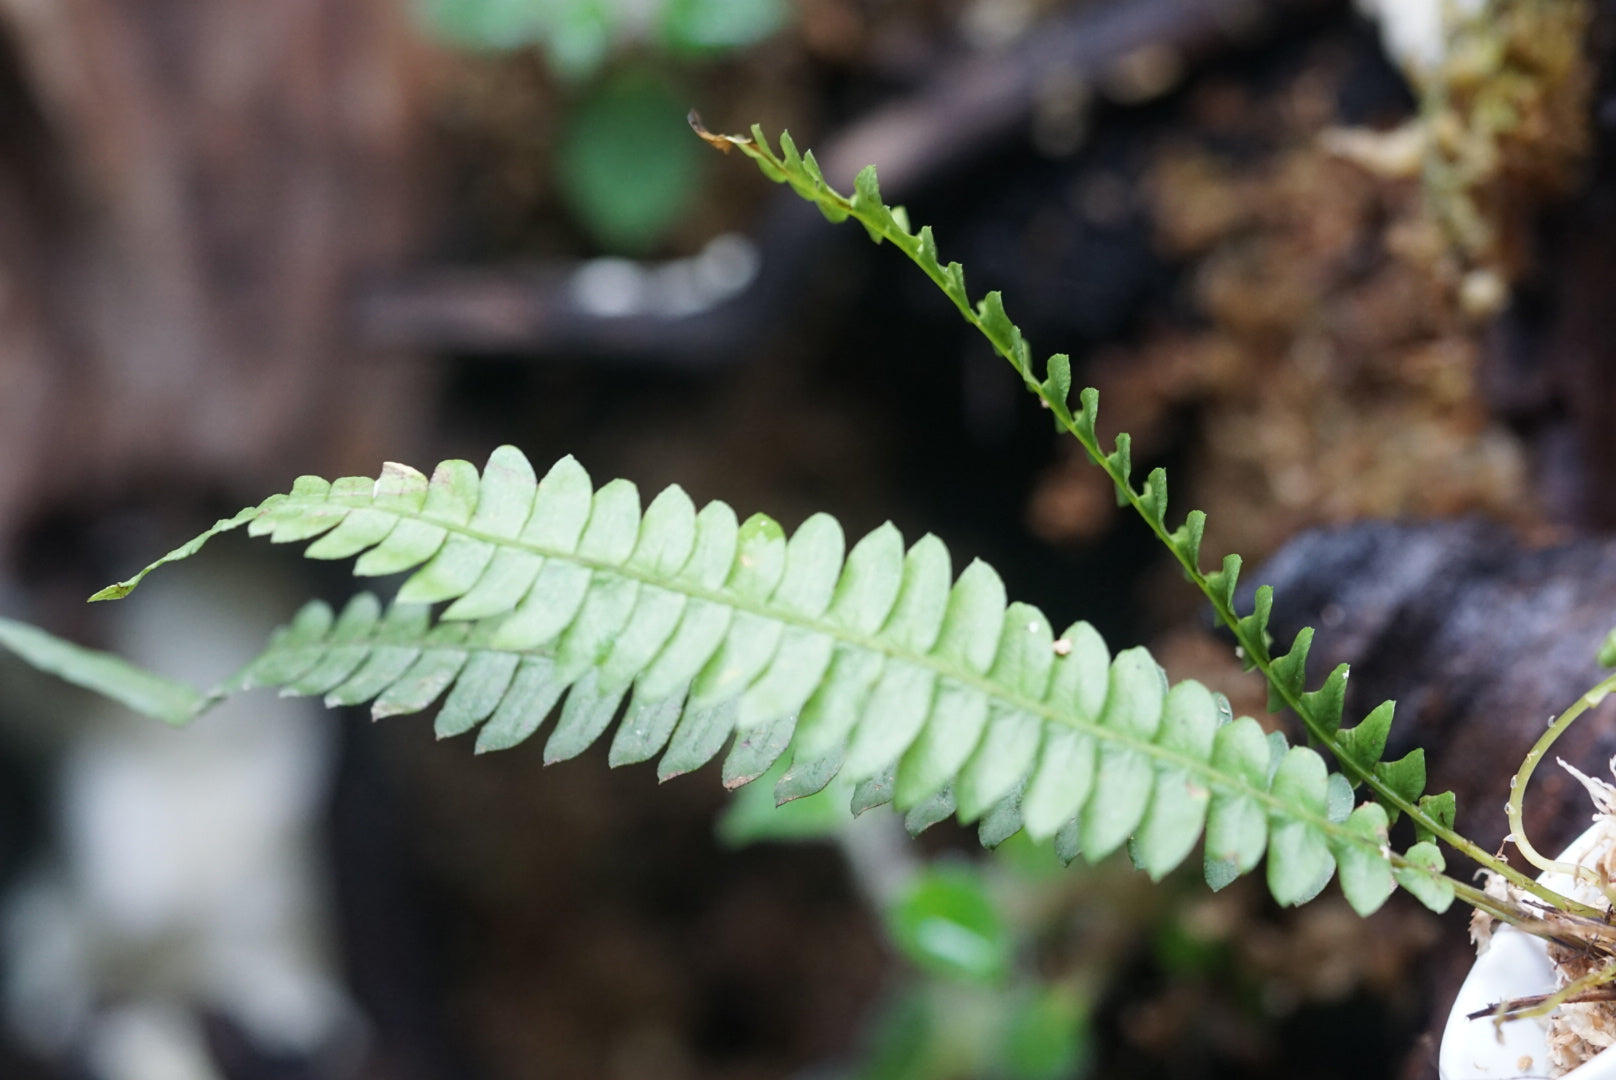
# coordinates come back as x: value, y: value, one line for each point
x: 1479, y: 638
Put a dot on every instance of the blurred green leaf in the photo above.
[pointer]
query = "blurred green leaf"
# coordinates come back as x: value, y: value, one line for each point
x: 903, y: 1041
x: 575, y: 34
x: 711, y: 25
x: 752, y: 815
x: 1046, y: 1036
x: 1030, y: 860
x: 626, y: 165
x: 946, y: 924
x: 1186, y: 952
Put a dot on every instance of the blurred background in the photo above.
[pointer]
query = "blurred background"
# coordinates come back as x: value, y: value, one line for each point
x: 1336, y: 266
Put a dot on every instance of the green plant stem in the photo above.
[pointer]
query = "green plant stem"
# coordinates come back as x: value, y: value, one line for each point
x: 884, y: 226
x: 1257, y: 654
x: 1546, y: 1004
x: 1518, y: 782
x: 1501, y: 910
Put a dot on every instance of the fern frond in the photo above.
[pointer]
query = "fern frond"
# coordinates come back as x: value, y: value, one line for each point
x: 874, y: 663
x: 169, y: 700
x: 1398, y: 786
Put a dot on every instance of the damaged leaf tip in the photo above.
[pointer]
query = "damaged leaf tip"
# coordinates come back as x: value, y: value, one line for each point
x: 718, y: 142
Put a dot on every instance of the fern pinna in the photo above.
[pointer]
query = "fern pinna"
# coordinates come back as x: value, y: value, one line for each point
x: 876, y: 663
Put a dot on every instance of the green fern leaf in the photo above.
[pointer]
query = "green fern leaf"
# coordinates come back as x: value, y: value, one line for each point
x: 149, y: 694
x: 872, y: 792
x: 933, y: 809
x: 645, y: 729
x: 482, y: 685
x: 1004, y: 334
x: 552, y: 518
x: 1440, y: 808
x: 432, y: 670
x: 959, y: 715
x: 1061, y: 782
x: 1057, y: 387
x: 1119, y: 463
x: 1153, y: 498
x: 527, y: 701
x: 1179, y: 802
x: 872, y: 666
x: 1365, y: 743
x: 589, y: 711
x: 294, y: 650
x: 1289, y: 671
x: 1010, y: 744
x: 1366, y: 879
x: 1002, y: 761
x: 901, y: 697
x: 867, y: 206
x: 1237, y: 824
x: 695, y: 625
x: 1186, y: 539
x: 400, y: 638
x: 1221, y: 584
x: 1253, y: 629
x: 751, y: 639
x: 1064, y: 776
x: 700, y: 735
x: 756, y: 750
x: 1421, y: 875
x: 1002, y: 821
x: 1133, y: 712
x: 1405, y: 777
x: 1299, y: 858
x: 808, y: 777
x: 1326, y: 703
x: 346, y: 647
x: 1086, y: 417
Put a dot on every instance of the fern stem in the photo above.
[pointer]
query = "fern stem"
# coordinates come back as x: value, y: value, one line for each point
x: 1502, y: 910
x: 1256, y: 653
x: 1518, y: 782
x: 802, y: 174
x: 1454, y: 839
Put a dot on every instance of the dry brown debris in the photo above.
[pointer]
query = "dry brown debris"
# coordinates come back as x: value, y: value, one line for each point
x: 1576, y: 1030
x: 1334, y: 376
x: 1506, y: 122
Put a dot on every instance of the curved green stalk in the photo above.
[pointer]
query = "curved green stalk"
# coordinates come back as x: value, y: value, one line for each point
x: 1523, y: 776
x: 883, y: 223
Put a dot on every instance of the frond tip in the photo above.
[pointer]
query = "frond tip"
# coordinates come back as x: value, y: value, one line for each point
x: 691, y: 630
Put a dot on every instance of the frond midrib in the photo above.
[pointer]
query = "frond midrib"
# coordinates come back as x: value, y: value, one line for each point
x: 1214, y: 779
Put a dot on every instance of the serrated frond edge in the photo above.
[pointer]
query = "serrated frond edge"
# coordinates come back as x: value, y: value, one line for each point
x: 1249, y: 630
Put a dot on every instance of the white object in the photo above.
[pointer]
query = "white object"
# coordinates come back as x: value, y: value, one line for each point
x: 1415, y: 32
x: 188, y: 875
x: 1515, y: 965
x: 614, y: 288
